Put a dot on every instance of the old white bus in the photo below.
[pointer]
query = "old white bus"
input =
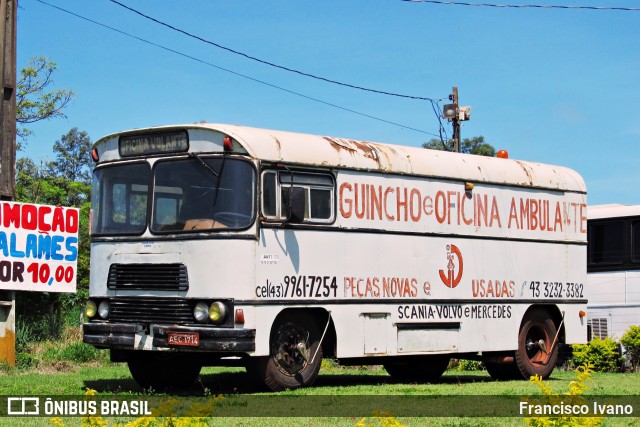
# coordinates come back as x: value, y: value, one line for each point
x: 613, y: 267
x: 217, y: 244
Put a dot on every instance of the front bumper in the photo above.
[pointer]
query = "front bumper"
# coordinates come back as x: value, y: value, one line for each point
x: 123, y: 336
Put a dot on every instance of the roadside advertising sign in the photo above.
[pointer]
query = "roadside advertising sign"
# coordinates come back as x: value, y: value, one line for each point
x: 38, y: 247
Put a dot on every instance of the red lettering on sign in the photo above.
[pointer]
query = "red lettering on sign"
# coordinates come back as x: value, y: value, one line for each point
x: 451, y: 207
x: 35, y: 217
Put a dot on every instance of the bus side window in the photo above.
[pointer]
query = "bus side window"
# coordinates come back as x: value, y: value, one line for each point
x: 321, y: 203
x: 635, y: 241
x: 606, y: 242
x: 318, y: 194
x: 269, y: 194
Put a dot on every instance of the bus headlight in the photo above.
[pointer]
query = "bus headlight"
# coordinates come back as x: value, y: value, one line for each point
x: 217, y: 312
x: 201, y: 312
x: 90, y: 309
x: 103, y: 309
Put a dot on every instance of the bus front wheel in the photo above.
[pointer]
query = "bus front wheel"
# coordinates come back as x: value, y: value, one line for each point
x: 535, y: 355
x: 295, y: 355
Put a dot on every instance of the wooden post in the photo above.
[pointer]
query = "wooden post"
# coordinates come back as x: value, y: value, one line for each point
x: 8, y: 101
x: 456, y: 122
x: 8, y: 160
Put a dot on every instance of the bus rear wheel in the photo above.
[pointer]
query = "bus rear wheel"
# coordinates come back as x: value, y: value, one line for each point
x: 163, y: 371
x: 295, y: 355
x: 424, y: 368
x: 535, y: 355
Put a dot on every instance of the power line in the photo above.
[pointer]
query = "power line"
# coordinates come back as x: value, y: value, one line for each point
x: 526, y: 6
x: 235, y: 72
x: 271, y: 64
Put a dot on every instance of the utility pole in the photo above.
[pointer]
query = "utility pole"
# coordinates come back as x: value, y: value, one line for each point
x: 456, y: 120
x: 456, y: 114
x: 8, y: 19
x: 8, y: 102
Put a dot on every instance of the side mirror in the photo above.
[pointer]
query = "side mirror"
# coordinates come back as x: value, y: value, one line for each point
x: 295, y: 209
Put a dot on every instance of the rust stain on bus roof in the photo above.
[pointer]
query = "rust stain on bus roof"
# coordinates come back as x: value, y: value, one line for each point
x: 337, y: 144
x: 526, y: 171
x: 278, y: 146
x: 366, y: 149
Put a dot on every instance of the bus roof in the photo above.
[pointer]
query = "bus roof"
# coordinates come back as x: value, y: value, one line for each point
x: 325, y: 151
x: 612, y: 211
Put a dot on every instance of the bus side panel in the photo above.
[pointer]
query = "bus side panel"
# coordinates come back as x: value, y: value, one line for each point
x: 403, y: 294
x: 607, y: 287
x: 633, y: 288
x: 616, y: 302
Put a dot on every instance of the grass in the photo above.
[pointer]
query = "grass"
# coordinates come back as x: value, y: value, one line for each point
x: 114, y: 378
x: 109, y: 379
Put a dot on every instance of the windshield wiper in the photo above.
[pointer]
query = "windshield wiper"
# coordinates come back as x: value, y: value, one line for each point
x: 213, y: 172
x: 205, y: 164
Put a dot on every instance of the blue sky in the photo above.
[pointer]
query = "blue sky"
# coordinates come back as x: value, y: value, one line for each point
x: 548, y: 85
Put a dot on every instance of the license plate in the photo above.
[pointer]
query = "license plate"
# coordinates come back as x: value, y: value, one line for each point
x: 189, y: 339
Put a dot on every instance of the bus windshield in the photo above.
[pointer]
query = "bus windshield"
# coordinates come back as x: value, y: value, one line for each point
x: 186, y: 195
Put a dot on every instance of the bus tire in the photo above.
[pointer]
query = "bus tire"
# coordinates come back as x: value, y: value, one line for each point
x: 424, y: 368
x: 537, y: 335
x: 295, y: 355
x: 161, y: 372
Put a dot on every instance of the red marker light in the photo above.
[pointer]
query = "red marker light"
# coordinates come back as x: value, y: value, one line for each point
x: 239, y: 316
x: 94, y: 155
x: 503, y: 154
x: 228, y: 143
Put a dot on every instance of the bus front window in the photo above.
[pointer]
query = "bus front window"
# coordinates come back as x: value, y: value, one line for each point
x: 119, y: 202
x: 191, y: 196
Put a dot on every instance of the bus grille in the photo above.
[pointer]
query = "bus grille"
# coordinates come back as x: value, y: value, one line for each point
x: 151, y: 310
x: 148, y: 277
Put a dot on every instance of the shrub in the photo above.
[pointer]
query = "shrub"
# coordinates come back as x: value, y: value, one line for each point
x: 79, y: 352
x: 24, y: 336
x: 381, y: 419
x: 49, y: 351
x: 470, y: 365
x: 25, y: 360
x: 42, y: 324
x: 602, y: 354
x: 573, y: 397
x: 631, y: 341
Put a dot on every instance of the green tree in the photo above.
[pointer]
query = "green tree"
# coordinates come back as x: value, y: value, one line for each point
x: 72, y: 167
x: 475, y: 145
x: 35, y: 100
x: 37, y: 184
x: 73, y: 156
x: 64, y: 181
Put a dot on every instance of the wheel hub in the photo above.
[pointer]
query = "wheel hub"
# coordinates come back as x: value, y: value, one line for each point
x: 536, y: 346
x: 291, y: 351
